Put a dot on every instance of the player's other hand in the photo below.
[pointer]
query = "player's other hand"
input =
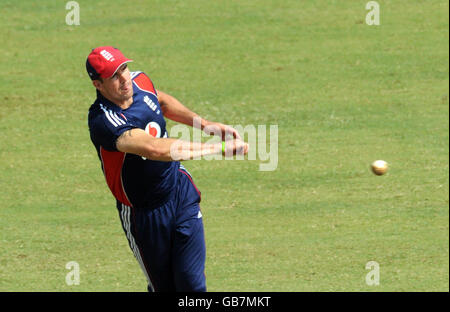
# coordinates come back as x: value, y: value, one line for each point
x: 235, y: 147
x: 219, y: 129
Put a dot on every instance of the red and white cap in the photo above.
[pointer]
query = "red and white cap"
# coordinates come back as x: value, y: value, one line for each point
x: 104, y: 62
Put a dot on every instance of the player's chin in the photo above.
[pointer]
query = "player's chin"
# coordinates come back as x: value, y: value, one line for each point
x: 125, y: 94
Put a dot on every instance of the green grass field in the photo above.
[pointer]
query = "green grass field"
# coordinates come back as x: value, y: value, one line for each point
x: 342, y: 93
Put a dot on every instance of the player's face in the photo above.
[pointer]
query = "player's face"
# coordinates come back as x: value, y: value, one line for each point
x: 117, y: 88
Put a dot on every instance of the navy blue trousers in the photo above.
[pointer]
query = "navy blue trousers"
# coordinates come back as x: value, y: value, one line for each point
x: 168, y: 241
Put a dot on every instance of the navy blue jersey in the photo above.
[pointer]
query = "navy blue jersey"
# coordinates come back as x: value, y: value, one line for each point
x: 132, y: 179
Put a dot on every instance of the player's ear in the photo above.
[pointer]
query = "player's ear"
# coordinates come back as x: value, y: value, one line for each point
x: 97, y: 84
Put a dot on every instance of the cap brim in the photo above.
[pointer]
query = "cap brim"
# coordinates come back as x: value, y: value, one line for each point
x: 118, y: 66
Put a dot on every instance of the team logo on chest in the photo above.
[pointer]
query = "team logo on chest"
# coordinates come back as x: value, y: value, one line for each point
x: 153, y: 129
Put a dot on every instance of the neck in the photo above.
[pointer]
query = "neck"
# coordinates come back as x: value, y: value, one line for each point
x: 122, y: 104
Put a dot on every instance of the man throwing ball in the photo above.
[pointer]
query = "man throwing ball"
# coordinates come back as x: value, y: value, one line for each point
x: 156, y: 197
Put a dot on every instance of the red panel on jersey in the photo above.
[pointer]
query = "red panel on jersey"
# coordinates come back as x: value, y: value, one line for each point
x: 143, y: 82
x: 112, y: 168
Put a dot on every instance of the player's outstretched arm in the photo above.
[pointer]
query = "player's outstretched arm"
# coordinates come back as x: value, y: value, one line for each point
x: 176, y: 111
x: 137, y: 141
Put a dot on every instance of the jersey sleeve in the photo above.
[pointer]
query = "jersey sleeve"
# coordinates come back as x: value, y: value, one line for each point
x: 107, y: 126
x: 143, y: 82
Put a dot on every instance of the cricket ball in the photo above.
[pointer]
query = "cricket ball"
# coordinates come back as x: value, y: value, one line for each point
x: 379, y: 167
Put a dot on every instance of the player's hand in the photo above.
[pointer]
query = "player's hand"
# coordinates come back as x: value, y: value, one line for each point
x: 219, y: 129
x: 235, y: 147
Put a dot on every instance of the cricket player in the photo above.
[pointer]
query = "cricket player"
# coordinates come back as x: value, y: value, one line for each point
x: 157, y: 199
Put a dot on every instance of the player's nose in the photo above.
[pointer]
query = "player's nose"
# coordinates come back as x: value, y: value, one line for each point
x: 122, y: 77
